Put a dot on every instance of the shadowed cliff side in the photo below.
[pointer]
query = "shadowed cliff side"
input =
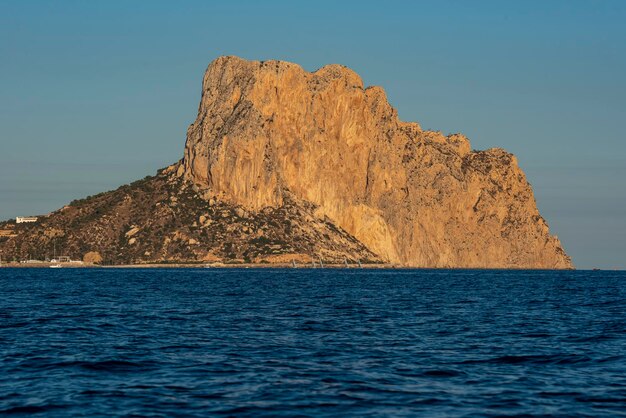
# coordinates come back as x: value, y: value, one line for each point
x: 270, y: 130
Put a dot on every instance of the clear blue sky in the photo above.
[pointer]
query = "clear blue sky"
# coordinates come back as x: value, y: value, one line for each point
x: 94, y: 94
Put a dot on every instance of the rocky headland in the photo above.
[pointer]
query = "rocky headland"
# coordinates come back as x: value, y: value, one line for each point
x: 283, y: 164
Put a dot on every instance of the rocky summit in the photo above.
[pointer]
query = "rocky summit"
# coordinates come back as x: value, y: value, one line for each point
x: 283, y: 164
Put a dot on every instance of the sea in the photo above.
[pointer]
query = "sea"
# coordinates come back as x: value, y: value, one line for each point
x: 312, y: 343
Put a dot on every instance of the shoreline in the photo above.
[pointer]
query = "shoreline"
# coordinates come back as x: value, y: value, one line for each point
x: 200, y: 265
x: 341, y: 266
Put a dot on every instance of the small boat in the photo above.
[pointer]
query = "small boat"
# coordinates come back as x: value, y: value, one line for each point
x: 55, y: 262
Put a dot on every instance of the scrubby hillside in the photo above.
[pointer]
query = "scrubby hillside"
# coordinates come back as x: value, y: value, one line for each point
x: 163, y: 219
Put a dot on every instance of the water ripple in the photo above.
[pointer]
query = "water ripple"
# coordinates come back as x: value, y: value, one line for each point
x: 311, y: 343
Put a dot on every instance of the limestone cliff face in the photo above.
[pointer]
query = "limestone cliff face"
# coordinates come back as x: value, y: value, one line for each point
x: 267, y: 131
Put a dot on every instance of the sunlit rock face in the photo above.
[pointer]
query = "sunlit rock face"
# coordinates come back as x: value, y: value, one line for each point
x: 268, y: 131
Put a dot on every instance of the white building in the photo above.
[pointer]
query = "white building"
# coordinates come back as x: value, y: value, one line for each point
x: 25, y: 219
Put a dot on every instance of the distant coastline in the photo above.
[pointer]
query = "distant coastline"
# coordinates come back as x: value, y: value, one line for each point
x: 333, y: 266
x: 201, y: 265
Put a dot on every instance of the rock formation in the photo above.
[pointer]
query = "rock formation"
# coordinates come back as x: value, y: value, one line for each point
x: 282, y: 164
x: 268, y: 131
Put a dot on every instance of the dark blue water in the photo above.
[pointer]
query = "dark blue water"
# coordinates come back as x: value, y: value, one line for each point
x: 167, y: 342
